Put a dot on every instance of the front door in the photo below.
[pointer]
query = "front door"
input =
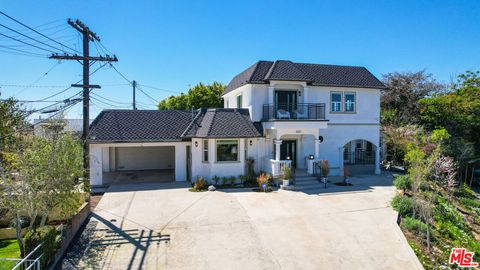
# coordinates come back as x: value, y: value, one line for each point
x: 288, y: 151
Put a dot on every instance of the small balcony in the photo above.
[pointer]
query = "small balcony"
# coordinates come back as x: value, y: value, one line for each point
x: 294, y: 111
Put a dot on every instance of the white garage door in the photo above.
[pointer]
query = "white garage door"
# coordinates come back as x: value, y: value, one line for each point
x: 145, y: 158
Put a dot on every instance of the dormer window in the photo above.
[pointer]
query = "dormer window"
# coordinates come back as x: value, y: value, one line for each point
x: 239, y: 102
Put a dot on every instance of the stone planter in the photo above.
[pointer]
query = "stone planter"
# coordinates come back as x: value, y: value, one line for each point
x: 285, y: 182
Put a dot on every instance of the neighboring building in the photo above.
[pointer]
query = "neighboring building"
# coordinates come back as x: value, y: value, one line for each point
x: 277, y: 113
x: 71, y: 125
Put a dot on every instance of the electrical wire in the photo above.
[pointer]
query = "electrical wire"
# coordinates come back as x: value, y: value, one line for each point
x: 110, y: 100
x: 34, y: 39
x: 37, y: 80
x: 150, y: 97
x: 66, y: 89
x: 35, y: 46
x: 160, y: 89
x: 63, y: 45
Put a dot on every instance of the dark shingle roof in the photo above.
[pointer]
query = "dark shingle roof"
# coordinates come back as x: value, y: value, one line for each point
x: 314, y: 74
x: 140, y: 125
x: 171, y: 125
x: 223, y: 123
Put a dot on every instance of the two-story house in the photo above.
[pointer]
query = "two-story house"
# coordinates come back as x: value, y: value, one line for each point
x: 276, y: 113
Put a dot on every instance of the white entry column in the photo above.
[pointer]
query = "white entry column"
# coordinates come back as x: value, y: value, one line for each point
x: 317, y: 149
x: 277, y: 149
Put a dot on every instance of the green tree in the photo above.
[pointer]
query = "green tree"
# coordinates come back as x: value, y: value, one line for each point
x: 12, y: 121
x: 198, y: 96
x: 458, y: 112
x: 400, y: 101
x: 44, y: 176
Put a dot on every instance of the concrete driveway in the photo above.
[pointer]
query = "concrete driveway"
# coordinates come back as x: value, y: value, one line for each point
x: 164, y: 226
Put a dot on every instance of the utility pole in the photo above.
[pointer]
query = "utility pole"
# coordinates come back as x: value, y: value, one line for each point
x: 134, y: 83
x: 86, y: 60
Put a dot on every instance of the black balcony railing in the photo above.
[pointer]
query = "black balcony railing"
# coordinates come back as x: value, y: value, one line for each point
x: 294, y: 111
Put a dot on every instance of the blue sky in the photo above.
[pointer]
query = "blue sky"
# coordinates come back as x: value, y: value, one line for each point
x: 174, y: 44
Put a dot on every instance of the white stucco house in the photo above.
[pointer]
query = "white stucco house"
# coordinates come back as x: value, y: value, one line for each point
x: 277, y: 113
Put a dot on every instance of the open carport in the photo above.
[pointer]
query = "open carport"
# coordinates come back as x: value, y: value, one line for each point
x: 139, y: 164
x: 139, y: 146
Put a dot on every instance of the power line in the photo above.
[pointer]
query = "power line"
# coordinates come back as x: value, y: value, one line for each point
x: 160, y: 89
x: 37, y: 80
x: 34, y: 39
x: 22, y: 53
x: 154, y: 100
x: 33, y: 86
x: 119, y: 102
x: 66, y: 89
x: 27, y: 43
x: 36, y: 31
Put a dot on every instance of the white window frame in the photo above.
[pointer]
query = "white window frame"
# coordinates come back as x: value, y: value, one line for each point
x: 227, y: 161
x: 205, y: 150
x: 340, y: 102
x: 354, y: 101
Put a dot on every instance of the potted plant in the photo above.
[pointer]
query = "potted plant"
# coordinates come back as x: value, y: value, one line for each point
x: 287, y: 175
x: 325, y: 168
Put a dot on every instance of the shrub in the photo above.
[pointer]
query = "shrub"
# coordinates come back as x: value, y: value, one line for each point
x: 47, y: 236
x: 200, y: 184
x: 325, y: 167
x: 403, y: 182
x: 403, y: 204
x: 243, y: 178
x: 414, y: 225
x: 232, y: 180
x: 225, y: 180
x: 263, y: 180
x: 216, y: 179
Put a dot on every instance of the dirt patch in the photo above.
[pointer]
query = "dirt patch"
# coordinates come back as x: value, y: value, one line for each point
x: 94, y: 200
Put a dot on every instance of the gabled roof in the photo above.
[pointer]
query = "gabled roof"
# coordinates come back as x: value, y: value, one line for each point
x: 314, y: 74
x: 171, y: 125
x: 222, y: 123
x: 140, y: 125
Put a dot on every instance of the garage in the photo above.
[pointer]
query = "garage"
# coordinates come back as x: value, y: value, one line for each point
x: 144, y: 158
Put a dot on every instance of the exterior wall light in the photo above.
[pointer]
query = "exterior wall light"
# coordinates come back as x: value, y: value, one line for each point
x: 250, y: 143
x: 310, y: 157
x: 196, y: 143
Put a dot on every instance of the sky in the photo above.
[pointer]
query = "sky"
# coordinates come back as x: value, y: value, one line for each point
x: 171, y: 45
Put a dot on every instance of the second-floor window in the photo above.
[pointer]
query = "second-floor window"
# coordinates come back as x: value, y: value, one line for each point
x: 349, y: 102
x: 343, y: 102
x: 239, y: 101
x: 336, y: 101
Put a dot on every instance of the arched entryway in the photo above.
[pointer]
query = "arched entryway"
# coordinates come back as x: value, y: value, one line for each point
x: 360, y: 157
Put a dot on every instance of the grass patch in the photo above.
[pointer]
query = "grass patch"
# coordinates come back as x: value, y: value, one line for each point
x: 8, y: 249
